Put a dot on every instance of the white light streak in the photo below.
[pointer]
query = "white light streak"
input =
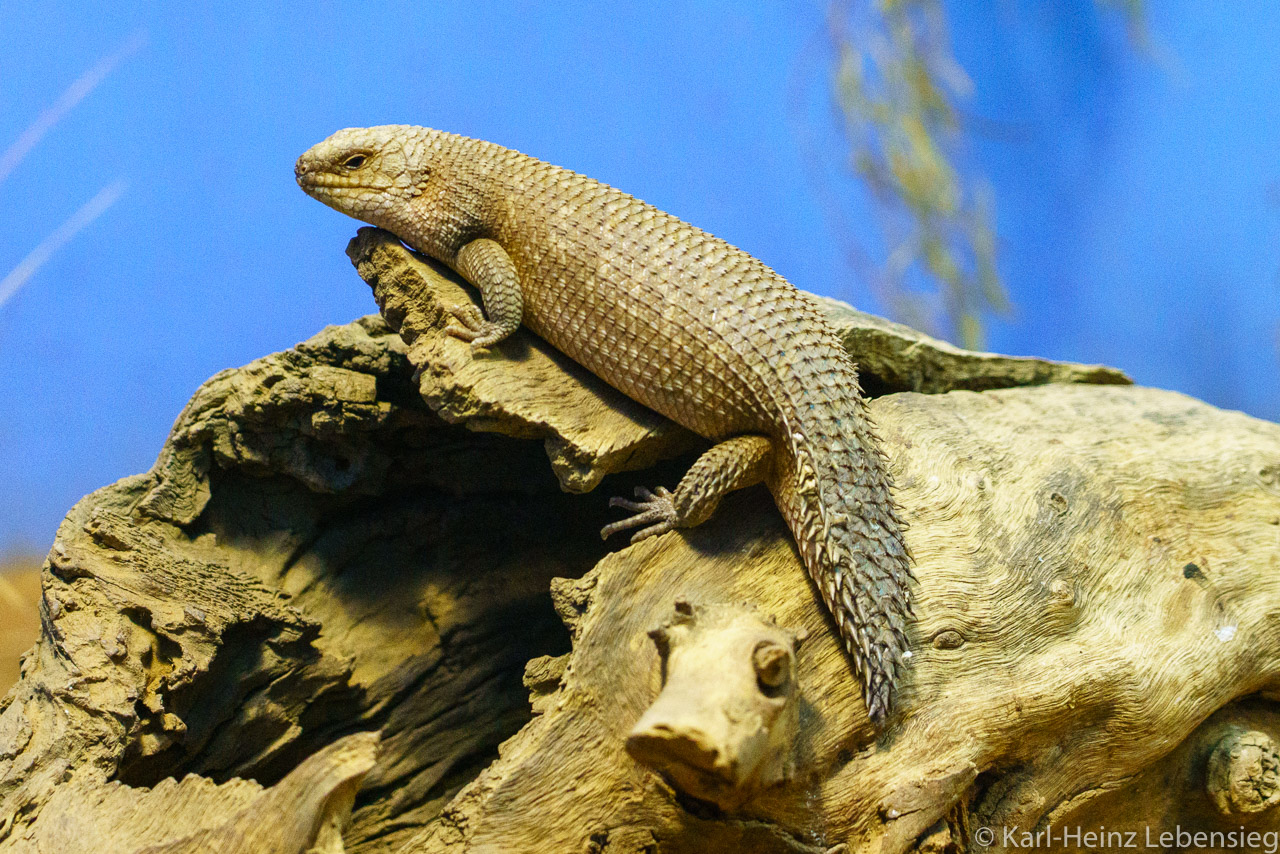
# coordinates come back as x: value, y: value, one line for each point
x: 73, y: 95
x: 36, y: 259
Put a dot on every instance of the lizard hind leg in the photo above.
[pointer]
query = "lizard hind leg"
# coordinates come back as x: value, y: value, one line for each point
x: 733, y: 464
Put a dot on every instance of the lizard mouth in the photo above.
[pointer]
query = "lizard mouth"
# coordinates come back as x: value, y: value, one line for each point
x: 313, y: 174
x: 309, y: 180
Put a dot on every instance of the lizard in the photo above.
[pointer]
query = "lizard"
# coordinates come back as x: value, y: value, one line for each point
x: 674, y: 318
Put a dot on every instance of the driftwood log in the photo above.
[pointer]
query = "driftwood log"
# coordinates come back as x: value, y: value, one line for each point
x: 363, y: 534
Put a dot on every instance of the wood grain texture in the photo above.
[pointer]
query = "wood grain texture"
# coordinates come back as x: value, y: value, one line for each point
x: 317, y: 553
x: 1065, y: 651
x: 305, y: 813
x: 354, y: 563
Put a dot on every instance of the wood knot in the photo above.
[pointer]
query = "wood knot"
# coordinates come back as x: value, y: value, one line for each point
x: 948, y: 639
x: 1243, y: 774
x: 772, y: 663
x: 1062, y: 593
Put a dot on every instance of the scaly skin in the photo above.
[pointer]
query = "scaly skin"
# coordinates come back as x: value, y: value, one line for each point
x: 674, y: 318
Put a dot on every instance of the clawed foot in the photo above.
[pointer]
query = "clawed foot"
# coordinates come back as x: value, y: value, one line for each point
x: 655, y: 510
x: 472, y: 326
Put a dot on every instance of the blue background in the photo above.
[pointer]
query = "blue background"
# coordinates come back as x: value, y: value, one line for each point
x: 1137, y: 192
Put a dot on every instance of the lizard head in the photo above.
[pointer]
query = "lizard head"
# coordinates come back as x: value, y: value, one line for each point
x: 368, y: 173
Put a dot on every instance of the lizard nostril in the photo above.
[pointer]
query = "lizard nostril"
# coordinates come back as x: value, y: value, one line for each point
x: 302, y: 172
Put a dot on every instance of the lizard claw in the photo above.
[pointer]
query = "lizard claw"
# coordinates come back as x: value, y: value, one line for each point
x: 656, y: 511
x: 472, y: 327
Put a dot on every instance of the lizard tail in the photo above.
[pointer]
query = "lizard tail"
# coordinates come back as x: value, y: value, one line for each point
x: 838, y: 506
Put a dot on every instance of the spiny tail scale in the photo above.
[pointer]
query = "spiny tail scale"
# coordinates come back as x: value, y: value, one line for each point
x: 837, y: 504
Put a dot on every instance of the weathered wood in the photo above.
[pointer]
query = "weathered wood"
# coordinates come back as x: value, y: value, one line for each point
x: 325, y: 547
x: 723, y: 726
x: 314, y: 553
x: 305, y: 813
x: 1243, y: 773
x: 892, y: 357
x: 1097, y: 579
x: 1054, y: 529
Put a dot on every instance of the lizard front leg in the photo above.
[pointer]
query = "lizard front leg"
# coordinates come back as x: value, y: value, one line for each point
x: 732, y: 464
x: 487, y: 265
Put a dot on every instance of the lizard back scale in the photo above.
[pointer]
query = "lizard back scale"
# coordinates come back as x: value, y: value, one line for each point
x: 674, y: 318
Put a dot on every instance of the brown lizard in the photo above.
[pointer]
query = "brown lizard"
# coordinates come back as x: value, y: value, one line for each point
x: 674, y: 318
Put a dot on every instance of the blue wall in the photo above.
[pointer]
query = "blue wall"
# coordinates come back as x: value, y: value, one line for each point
x: 1138, y: 196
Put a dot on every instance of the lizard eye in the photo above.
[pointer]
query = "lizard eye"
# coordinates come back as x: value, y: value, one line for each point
x: 355, y: 161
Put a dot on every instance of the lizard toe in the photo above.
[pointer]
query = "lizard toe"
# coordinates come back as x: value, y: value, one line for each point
x: 462, y: 332
x: 469, y: 323
x: 487, y: 335
x: 469, y: 315
x: 654, y: 513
